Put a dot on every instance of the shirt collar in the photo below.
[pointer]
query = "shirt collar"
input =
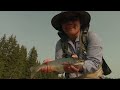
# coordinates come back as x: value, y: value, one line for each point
x: 77, y: 39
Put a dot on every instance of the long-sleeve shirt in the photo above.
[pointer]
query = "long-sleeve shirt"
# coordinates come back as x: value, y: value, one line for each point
x: 94, y: 52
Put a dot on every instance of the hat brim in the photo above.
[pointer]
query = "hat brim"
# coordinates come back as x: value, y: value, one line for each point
x: 84, y: 18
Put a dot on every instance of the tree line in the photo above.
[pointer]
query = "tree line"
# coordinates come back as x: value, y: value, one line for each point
x: 15, y: 61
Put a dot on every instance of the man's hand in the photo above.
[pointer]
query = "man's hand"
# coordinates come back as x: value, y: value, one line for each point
x: 72, y: 68
x: 74, y: 56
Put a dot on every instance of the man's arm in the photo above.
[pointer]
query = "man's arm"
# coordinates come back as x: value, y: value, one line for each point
x: 58, y: 50
x: 94, y: 53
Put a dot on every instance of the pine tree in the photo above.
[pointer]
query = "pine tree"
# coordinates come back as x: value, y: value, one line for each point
x: 7, y: 49
x: 2, y: 56
x: 23, y: 62
x: 12, y: 58
x: 32, y: 59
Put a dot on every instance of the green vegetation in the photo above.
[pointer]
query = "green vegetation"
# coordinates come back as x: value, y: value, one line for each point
x: 15, y: 61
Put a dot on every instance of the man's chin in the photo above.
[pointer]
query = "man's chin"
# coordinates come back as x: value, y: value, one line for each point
x: 71, y: 33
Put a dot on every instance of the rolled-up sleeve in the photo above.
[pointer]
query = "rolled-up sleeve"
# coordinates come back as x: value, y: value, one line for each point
x: 94, y: 53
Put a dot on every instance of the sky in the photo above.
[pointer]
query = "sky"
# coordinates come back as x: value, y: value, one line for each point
x: 33, y: 28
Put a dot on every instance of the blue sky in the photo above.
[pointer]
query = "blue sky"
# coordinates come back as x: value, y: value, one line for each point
x: 33, y: 28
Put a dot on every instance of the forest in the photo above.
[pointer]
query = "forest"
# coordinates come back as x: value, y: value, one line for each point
x: 15, y: 61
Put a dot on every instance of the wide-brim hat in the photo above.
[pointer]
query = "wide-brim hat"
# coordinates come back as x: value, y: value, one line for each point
x: 82, y: 15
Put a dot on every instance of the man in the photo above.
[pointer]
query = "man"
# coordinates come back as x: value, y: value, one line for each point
x: 71, y: 25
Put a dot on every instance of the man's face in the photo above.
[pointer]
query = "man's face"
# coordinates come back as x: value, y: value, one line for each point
x: 71, y: 27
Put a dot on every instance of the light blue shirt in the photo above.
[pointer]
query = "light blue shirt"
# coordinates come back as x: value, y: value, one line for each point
x: 94, y: 52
